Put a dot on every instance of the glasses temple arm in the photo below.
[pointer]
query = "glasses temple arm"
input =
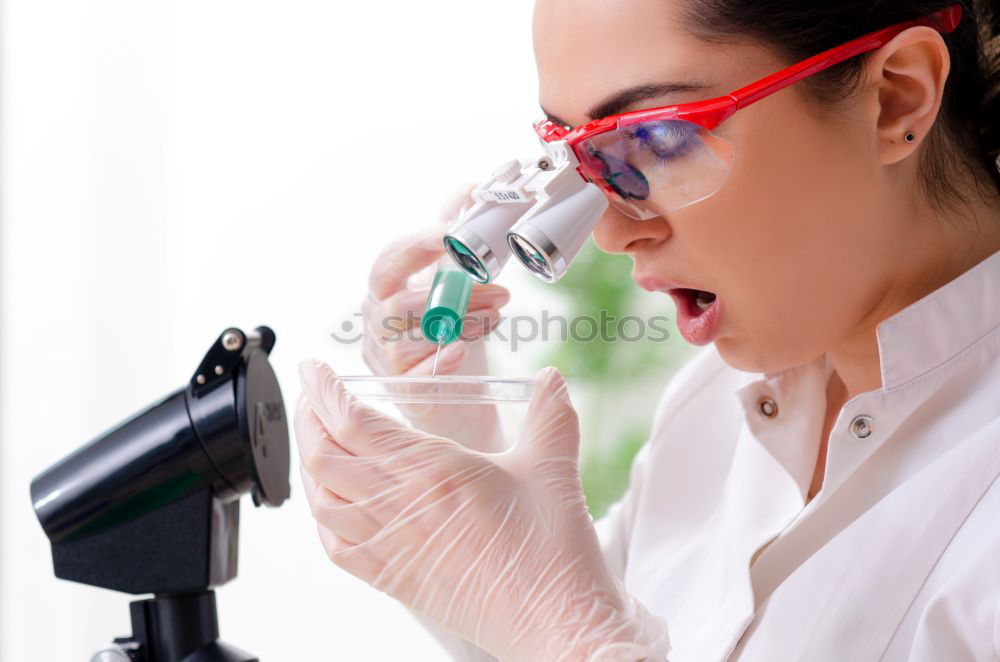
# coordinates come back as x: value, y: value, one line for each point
x: 944, y: 21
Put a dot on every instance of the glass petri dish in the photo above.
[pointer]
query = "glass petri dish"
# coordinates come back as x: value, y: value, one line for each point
x: 483, y: 413
x: 447, y: 389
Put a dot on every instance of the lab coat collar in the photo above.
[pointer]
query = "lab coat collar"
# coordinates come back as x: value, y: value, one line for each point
x: 934, y: 329
x: 921, y: 349
x: 923, y: 336
x: 792, y: 435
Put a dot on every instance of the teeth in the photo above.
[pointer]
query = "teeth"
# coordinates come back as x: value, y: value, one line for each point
x: 704, y: 300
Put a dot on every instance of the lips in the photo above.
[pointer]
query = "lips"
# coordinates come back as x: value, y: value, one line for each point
x: 699, y: 311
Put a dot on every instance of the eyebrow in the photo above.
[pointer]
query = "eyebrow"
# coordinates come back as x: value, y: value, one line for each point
x: 630, y: 96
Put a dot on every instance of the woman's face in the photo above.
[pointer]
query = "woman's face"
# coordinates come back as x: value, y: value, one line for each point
x: 792, y: 245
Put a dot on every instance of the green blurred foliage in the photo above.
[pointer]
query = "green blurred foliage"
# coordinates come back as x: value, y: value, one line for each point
x: 611, y: 370
x: 601, y: 281
x: 605, y: 474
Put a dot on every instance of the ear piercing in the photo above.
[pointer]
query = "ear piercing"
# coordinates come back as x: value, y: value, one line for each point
x: 909, y: 137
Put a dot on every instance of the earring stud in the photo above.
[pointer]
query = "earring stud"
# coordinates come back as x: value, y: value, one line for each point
x: 909, y: 137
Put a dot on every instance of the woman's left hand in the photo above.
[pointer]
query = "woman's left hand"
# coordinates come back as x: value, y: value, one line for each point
x: 498, y: 548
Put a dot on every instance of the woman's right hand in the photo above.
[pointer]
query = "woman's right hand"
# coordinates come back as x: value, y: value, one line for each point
x: 394, y: 345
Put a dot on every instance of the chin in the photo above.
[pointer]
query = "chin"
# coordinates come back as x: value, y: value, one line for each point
x: 743, y: 354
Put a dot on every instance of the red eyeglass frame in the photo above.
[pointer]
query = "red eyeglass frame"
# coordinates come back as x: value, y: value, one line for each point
x: 712, y: 112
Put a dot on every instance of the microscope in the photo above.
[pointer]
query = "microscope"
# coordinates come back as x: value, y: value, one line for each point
x: 152, y: 505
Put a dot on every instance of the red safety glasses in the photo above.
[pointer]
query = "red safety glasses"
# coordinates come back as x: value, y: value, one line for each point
x: 654, y: 161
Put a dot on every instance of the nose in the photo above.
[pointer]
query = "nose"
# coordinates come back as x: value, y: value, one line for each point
x: 617, y: 233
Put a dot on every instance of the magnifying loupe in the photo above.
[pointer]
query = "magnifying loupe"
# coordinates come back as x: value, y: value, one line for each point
x: 541, y: 211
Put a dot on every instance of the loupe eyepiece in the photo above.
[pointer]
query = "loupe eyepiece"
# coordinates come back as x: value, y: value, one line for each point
x: 537, y: 254
x: 479, y: 243
x: 467, y: 259
x: 546, y: 242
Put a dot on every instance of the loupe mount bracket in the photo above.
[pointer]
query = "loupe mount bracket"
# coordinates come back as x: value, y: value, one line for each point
x: 540, y: 182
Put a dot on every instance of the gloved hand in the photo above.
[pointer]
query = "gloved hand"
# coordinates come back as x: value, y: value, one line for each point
x: 394, y: 345
x: 499, y: 548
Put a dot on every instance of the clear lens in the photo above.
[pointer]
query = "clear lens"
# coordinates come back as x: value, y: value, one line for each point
x: 648, y: 169
x: 467, y: 260
x: 530, y: 256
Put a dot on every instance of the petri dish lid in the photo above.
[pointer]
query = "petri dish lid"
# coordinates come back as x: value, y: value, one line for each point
x: 446, y: 389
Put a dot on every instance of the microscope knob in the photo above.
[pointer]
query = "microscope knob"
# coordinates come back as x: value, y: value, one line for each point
x: 508, y: 172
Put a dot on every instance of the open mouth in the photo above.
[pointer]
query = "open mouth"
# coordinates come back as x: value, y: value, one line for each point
x: 695, y: 302
x: 699, y: 312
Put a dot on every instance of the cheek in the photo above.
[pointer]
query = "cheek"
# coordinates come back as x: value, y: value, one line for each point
x: 793, y: 239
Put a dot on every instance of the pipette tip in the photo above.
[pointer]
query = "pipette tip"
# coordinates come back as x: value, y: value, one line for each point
x: 437, y: 355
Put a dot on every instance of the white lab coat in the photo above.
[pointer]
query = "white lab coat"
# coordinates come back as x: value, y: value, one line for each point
x: 898, y: 556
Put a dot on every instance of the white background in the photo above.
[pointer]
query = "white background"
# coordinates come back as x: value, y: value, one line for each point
x: 173, y: 168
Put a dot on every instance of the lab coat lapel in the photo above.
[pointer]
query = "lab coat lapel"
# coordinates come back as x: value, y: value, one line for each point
x: 851, y: 594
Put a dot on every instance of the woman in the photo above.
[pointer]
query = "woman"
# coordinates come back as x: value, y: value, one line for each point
x: 821, y: 479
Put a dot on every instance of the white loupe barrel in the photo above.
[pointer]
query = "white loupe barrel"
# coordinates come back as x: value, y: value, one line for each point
x: 479, y: 244
x: 546, y: 243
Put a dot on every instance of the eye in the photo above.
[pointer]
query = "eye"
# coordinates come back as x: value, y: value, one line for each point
x: 622, y: 177
x: 666, y: 140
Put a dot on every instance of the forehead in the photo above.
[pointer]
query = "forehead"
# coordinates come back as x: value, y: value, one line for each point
x: 587, y: 50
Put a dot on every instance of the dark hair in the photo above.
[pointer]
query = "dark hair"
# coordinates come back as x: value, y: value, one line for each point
x: 966, y: 135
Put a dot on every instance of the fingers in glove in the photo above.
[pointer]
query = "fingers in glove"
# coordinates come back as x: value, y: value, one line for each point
x: 368, y: 509
x: 328, y: 463
x: 552, y: 426
x: 359, y: 429
x: 435, y: 477
x: 403, y: 258
x: 347, y: 520
x: 479, y: 323
x: 395, y: 540
x: 457, y: 203
x: 359, y: 560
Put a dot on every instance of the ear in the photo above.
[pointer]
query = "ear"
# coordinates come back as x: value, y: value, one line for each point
x: 908, y: 75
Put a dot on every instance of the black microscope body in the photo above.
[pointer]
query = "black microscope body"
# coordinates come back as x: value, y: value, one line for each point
x: 153, y: 505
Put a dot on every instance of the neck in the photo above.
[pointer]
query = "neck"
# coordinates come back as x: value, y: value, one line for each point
x: 938, y: 248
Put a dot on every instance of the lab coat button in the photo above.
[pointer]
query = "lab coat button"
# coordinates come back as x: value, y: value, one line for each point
x: 767, y: 407
x: 861, y: 426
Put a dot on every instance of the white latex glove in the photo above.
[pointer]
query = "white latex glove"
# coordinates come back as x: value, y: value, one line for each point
x: 498, y: 548
x: 395, y: 295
